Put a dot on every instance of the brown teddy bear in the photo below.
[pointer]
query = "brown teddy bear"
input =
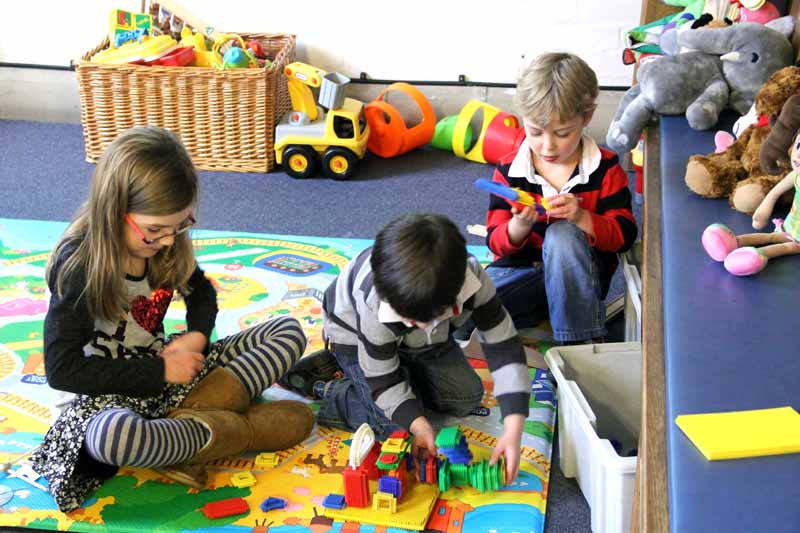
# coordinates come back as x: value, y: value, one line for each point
x: 736, y: 172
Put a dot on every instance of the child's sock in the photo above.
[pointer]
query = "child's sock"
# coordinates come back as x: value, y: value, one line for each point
x: 321, y: 388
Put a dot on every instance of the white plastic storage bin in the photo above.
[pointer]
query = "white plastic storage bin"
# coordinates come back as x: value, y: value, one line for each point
x: 599, y: 400
x: 631, y: 262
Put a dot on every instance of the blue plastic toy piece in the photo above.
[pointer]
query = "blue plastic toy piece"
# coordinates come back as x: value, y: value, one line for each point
x: 457, y: 456
x: 272, y: 503
x: 334, y: 501
x: 389, y: 485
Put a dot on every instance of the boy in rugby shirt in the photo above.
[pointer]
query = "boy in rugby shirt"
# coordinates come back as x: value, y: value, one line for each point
x: 559, y: 264
x: 389, y: 318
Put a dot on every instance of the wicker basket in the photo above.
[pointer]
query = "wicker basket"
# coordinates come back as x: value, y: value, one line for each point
x: 226, y: 118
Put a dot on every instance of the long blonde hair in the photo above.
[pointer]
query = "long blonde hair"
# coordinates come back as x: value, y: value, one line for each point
x: 556, y: 85
x: 145, y: 170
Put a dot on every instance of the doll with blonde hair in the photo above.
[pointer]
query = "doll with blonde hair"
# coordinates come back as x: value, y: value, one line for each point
x: 142, y: 399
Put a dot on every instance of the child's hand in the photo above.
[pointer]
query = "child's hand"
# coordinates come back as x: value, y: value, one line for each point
x: 424, y: 437
x: 508, y: 446
x: 193, y: 341
x: 519, y: 227
x: 180, y: 367
x: 566, y: 206
x: 527, y: 216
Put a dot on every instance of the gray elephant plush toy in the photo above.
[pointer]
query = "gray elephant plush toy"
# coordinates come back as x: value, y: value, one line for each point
x: 725, y: 69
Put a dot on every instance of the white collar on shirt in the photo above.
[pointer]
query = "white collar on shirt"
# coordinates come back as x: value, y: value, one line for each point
x: 522, y: 167
x: 471, y: 285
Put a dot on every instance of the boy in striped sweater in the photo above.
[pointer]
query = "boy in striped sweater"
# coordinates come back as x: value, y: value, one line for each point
x: 389, y: 318
x: 559, y: 264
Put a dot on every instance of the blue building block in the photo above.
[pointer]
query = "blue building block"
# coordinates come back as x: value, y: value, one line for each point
x: 334, y: 501
x: 389, y: 485
x: 272, y: 503
x: 457, y: 456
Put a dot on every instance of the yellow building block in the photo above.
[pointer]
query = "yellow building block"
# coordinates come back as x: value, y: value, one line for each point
x: 243, y: 479
x: 267, y: 460
x: 384, y: 503
x: 394, y: 446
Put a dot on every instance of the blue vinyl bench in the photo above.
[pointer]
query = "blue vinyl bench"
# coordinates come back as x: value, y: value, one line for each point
x: 712, y: 342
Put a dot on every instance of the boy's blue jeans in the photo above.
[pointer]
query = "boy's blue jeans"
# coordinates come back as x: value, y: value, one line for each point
x: 566, y: 287
x: 441, y: 378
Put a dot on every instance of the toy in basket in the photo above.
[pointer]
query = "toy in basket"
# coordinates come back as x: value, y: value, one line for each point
x: 333, y: 133
x: 234, y: 57
x: 145, y: 50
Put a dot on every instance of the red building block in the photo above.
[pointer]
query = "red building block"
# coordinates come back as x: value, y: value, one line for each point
x: 431, y: 470
x: 400, y: 474
x: 223, y: 508
x: 356, y: 487
x: 369, y: 462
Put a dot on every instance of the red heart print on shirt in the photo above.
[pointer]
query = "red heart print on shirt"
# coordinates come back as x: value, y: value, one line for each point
x: 149, y: 312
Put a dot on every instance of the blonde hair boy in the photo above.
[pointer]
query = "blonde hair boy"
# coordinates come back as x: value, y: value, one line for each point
x: 556, y: 85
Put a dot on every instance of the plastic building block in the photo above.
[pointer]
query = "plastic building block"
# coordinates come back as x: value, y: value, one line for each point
x: 390, y: 485
x: 356, y: 487
x: 384, y: 503
x: 361, y: 446
x: 272, y: 503
x: 389, y: 461
x: 223, y: 508
x: 370, y: 462
x: 428, y: 470
x: 267, y: 460
x: 243, y: 479
x: 448, y: 437
x: 458, y: 456
x: 334, y: 501
x: 399, y: 434
x: 394, y: 446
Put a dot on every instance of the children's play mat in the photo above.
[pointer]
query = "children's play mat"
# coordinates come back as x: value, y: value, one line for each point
x: 257, y: 277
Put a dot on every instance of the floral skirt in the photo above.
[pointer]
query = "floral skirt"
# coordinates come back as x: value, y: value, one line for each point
x: 71, y: 473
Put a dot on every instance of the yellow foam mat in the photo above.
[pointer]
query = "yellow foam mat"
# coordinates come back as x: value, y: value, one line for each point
x: 736, y: 434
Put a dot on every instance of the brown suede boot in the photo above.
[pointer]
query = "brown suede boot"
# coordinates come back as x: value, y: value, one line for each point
x: 279, y: 425
x: 264, y: 427
x: 220, y: 389
x: 231, y: 433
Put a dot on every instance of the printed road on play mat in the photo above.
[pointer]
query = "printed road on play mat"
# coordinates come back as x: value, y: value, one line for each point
x: 257, y: 277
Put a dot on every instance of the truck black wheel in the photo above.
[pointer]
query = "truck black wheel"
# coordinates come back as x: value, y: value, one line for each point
x: 299, y: 162
x: 339, y: 163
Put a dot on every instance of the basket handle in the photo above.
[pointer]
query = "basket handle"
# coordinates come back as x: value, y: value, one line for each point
x: 224, y: 38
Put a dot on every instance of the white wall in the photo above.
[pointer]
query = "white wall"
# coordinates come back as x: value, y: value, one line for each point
x: 413, y: 39
x: 487, y: 41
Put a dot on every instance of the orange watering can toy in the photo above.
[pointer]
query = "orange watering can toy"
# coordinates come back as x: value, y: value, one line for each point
x: 389, y: 136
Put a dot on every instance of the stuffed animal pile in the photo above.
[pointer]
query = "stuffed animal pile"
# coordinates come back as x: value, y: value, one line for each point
x: 725, y: 69
x: 736, y: 173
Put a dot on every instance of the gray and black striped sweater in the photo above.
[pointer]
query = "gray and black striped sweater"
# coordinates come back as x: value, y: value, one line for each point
x: 351, y: 307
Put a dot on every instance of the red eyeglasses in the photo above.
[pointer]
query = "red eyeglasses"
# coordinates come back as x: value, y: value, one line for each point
x: 183, y: 228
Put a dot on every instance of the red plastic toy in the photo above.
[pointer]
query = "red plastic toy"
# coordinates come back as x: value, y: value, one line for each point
x: 356, y: 487
x: 223, y: 508
x: 180, y: 57
x: 502, y: 137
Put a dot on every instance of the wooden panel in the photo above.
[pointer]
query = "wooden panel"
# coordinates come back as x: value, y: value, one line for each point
x: 654, y: 10
x: 651, y: 491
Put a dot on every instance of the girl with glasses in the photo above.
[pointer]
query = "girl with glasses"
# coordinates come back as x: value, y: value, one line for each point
x: 142, y: 399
